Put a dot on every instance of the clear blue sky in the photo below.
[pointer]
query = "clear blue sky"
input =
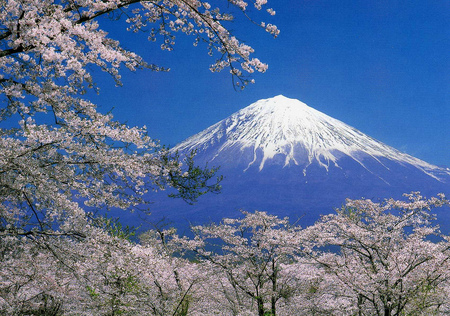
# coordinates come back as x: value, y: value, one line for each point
x: 381, y: 66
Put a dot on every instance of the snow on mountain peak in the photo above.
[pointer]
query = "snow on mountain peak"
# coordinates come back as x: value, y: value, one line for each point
x: 288, y: 128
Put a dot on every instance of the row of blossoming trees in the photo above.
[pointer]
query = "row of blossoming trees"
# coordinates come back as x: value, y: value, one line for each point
x: 366, y: 259
x: 61, y: 160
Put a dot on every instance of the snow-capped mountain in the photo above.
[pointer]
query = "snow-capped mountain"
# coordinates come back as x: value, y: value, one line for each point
x: 281, y: 156
x: 288, y: 132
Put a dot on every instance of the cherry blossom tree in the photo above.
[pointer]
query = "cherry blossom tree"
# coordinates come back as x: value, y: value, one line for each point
x: 60, y: 156
x: 313, y: 291
x: 248, y: 255
x: 368, y: 259
x: 175, y: 280
x: 58, y: 148
x: 102, y: 274
x: 386, y: 260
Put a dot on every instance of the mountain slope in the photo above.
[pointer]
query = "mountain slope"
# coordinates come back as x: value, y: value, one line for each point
x: 282, y: 156
x: 300, y: 134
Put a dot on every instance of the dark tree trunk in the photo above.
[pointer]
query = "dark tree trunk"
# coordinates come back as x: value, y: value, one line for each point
x: 274, y: 288
x: 260, y: 306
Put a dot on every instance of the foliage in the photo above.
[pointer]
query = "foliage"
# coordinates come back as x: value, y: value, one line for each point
x: 387, y: 264
x: 249, y: 255
x: 114, y: 227
x: 383, y: 263
x: 194, y: 182
x: 58, y: 154
x: 60, y: 157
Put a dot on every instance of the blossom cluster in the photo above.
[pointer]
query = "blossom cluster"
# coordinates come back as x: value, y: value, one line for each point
x: 62, y: 160
x: 366, y: 259
x: 59, y: 155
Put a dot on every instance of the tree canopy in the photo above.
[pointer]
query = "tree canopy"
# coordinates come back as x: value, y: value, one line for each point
x: 58, y: 154
x: 61, y: 158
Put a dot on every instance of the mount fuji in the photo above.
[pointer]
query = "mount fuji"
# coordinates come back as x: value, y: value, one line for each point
x: 281, y: 156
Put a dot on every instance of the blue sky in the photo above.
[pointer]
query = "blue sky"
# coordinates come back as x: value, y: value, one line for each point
x: 380, y: 66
